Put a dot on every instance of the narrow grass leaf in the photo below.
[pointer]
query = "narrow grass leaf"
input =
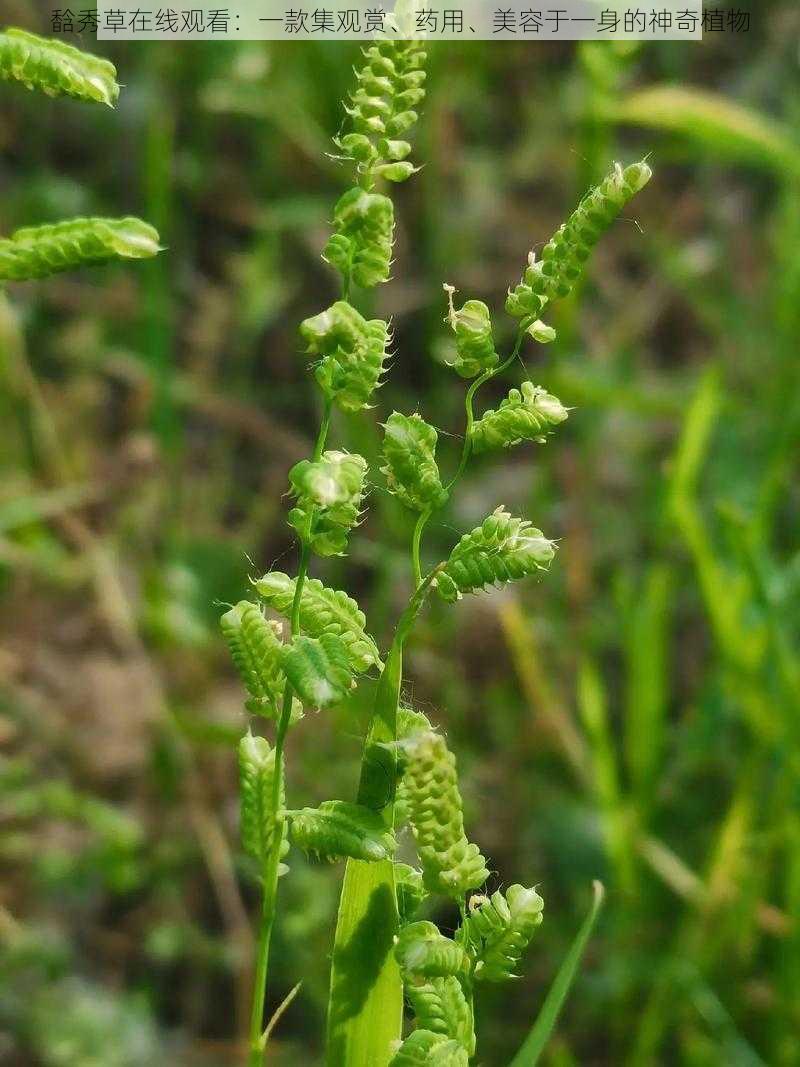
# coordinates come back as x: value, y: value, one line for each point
x: 719, y: 125
x: 537, y: 1039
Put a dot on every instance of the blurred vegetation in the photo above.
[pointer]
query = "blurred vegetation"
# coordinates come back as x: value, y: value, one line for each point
x: 633, y: 717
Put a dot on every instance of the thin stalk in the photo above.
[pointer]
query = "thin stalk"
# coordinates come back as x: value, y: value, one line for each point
x: 469, y: 399
x: 474, y: 387
x: 272, y: 866
x: 415, y: 542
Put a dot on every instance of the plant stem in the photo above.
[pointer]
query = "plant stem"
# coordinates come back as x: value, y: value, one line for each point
x: 422, y: 521
x: 273, y: 861
x: 468, y: 400
x: 415, y: 542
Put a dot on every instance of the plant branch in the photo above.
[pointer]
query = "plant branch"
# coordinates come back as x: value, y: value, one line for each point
x: 272, y: 866
x: 469, y: 399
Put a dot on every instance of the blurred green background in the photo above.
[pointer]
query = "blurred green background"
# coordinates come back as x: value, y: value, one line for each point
x: 634, y: 717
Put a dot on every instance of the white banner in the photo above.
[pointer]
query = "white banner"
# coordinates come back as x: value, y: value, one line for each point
x: 482, y: 20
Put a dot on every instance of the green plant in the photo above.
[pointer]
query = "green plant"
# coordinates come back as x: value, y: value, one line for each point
x: 408, y: 774
x: 59, y: 69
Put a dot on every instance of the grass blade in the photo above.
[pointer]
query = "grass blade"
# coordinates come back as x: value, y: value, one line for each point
x: 365, y: 1012
x: 715, y: 123
x: 365, y: 1009
x: 537, y: 1039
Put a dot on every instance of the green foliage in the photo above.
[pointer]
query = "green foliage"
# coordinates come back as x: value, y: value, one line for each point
x: 451, y: 865
x: 472, y: 325
x: 75, y: 1022
x: 338, y: 829
x: 408, y: 773
x: 409, y: 451
x: 318, y: 669
x: 56, y: 68
x: 542, y: 1029
x: 565, y: 254
x: 719, y: 125
x: 256, y: 784
x: 39, y: 251
x: 499, y: 929
x: 502, y: 549
x: 352, y: 353
x: 426, y: 1049
x: 323, y: 611
x: 329, y: 493
x: 423, y: 952
x: 256, y: 645
x: 526, y: 414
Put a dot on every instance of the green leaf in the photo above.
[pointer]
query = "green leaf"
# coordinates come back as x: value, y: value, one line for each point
x: 56, y: 68
x: 723, y: 127
x: 338, y: 829
x: 323, y: 611
x: 537, y: 1039
x: 365, y: 1009
x: 318, y: 669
